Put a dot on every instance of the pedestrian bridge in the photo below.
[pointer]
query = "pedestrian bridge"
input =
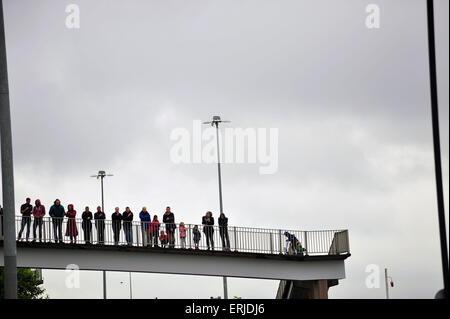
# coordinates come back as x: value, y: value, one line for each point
x: 254, y: 253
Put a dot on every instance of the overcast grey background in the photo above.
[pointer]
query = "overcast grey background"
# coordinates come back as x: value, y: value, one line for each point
x: 351, y: 104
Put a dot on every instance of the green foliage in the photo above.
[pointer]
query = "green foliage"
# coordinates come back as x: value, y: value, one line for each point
x: 28, y: 284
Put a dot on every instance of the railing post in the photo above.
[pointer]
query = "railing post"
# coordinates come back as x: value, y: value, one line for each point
x: 137, y: 235
x: 306, y: 243
x: 235, y: 239
x: 271, y: 242
x: 43, y: 229
x: 281, y: 246
x: 190, y: 238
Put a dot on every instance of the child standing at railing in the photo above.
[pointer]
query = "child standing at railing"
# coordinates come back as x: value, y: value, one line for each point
x: 163, y: 238
x: 183, y: 235
x: 197, y: 236
x: 154, y: 231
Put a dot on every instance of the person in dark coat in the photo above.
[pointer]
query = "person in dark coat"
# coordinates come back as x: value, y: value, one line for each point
x: 223, y: 231
x: 197, y: 236
x: 57, y: 214
x: 208, y: 229
x: 99, y: 218
x: 116, y: 225
x: 86, y: 224
x: 127, y: 217
x: 25, y: 210
x: 169, y: 221
x: 71, y: 228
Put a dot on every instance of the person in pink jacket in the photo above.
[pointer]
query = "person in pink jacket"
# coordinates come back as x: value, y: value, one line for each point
x: 182, y: 230
x: 38, y: 214
x: 154, y: 231
x: 71, y: 228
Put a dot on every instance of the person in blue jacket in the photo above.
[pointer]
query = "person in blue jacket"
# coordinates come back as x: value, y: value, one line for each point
x: 145, y: 226
x: 57, y: 213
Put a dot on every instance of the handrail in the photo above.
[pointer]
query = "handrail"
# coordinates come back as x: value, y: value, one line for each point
x: 137, y: 233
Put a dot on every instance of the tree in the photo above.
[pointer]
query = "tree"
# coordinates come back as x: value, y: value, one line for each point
x: 28, y: 284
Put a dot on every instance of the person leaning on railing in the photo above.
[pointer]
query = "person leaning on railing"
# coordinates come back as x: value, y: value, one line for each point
x: 223, y: 231
x: 57, y: 213
x: 99, y: 218
x: 71, y: 227
x: 154, y: 231
x: 169, y: 220
x: 116, y: 218
x: 86, y: 224
x: 25, y: 210
x: 127, y: 217
x: 182, y: 230
x: 197, y: 236
x: 208, y: 229
x: 145, y: 226
x: 38, y: 215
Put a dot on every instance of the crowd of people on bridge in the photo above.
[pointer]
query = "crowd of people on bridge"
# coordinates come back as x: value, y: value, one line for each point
x: 153, y: 234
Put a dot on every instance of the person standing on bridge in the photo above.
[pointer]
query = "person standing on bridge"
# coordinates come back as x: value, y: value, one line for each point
x: 208, y: 229
x: 154, y: 231
x: 25, y: 210
x: 183, y: 235
x: 71, y: 228
x: 57, y: 213
x: 169, y: 221
x: 38, y: 214
x: 87, y: 225
x: 99, y: 218
x: 223, y: 231
x: 127, y: 218
x: 145, y: 226
x: 197, y: 237
x: 116, y: 225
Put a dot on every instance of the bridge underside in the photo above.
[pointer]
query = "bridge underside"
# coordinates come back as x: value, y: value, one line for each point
x: 178, y: 261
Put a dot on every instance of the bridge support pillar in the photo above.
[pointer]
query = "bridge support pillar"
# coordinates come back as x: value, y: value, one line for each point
x: 305, y: 289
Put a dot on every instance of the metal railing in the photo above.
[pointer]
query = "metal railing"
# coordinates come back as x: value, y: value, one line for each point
x: 136, y: 233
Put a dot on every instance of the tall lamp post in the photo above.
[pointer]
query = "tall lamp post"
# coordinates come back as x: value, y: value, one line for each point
x: 215, y: 122
x: 387, y: 281
x: 102, y: 175
x: 9, y: 231
x: 443, y: 293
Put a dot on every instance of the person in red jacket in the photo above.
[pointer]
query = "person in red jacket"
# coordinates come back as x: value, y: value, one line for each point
x: 38, y: 214
x: 154, y: 231
x: 71, y: 228
x: 163, y: 238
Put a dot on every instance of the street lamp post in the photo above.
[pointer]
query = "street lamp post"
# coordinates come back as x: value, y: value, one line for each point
x: 9, y: 231
x: 102, y: 175
x: 386, y: 279
x: 215, y: 122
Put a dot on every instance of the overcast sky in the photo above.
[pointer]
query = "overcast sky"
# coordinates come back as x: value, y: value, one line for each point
x: 351, y: 105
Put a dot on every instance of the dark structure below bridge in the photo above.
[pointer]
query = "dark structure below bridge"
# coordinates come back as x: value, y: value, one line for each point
x: 305, y: 289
